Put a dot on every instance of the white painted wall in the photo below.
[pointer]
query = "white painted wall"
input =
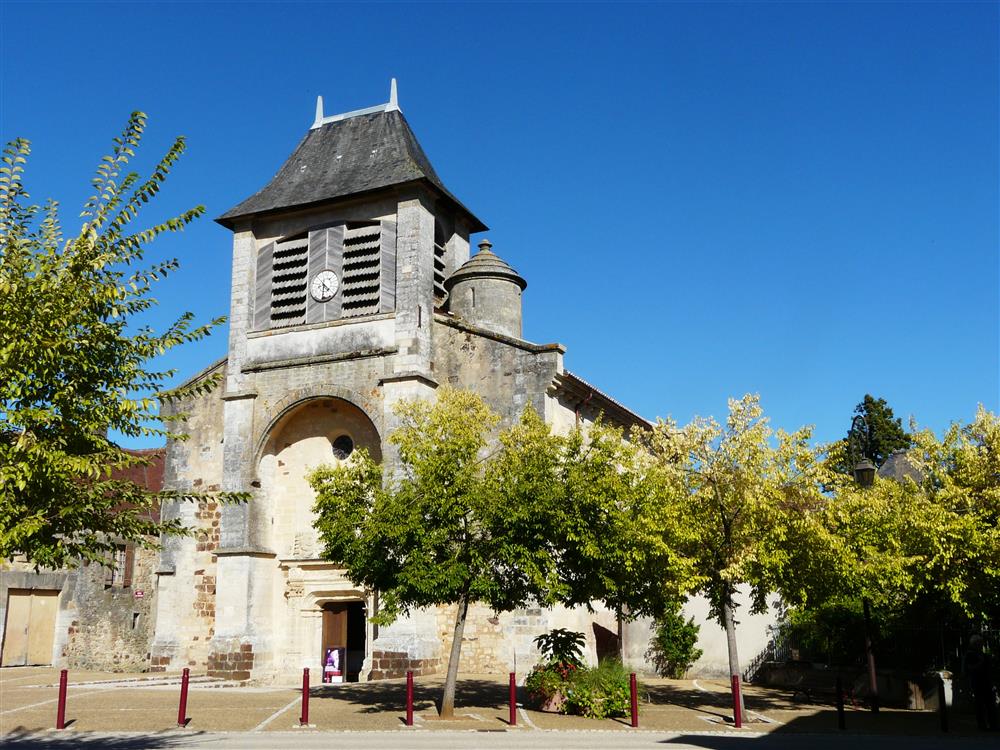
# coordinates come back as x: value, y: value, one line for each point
x: 752, y: 635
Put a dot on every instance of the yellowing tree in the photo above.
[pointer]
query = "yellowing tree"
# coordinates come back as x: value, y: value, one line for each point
x: 733, y: 487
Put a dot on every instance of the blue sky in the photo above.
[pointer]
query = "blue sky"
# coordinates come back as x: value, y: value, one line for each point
x: 799, y: 200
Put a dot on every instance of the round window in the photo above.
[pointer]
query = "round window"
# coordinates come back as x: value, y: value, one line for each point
x: 343, y: 447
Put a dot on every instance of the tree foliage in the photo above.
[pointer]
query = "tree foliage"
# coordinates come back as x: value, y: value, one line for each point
x: 884, y: 435
x: 620, y: 540
x: 733, y: 487
x: 467, y: 520
x: 902, y: 540
x: 507, y: 519
x: 925, y: 552
x: 74, y: 365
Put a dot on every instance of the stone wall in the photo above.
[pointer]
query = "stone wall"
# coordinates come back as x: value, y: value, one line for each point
x: 508, y: 373
x: 232, y: 665
x: 186, y: 570
x: 389, y: 664
x: 112, y: 627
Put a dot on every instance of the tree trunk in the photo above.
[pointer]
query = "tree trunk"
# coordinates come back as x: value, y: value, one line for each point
x: 870, y: 653
x: 729, y: 621
x: 621, y: 635
x: 447, y: 709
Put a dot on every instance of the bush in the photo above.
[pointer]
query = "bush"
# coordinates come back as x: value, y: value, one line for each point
x: 672, y: 647
x: 599, y: 692
x: 548, y: 680
x: 562, y: 651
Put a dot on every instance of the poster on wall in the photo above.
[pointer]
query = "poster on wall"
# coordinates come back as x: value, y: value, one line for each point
x: 333, y: 665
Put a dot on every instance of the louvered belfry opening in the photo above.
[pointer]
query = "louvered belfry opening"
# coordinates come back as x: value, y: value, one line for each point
x: 289, y: 285
x: 362, y: 257
x: 362, y: 269
x: 440, y: 295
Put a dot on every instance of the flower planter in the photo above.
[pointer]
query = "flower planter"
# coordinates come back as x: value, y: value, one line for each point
x: 553, y: 704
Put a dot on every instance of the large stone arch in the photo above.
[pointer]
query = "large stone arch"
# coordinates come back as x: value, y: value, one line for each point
x: 305, y: 434
x: 293, y: 399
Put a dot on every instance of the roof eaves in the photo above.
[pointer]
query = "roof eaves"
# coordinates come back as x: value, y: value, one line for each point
x: 568, y: 383
x: 229, y: 219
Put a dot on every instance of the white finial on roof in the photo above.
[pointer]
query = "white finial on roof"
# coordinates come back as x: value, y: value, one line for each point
x: 319, y: 112
x: 389, y: 106
x: 393, y: 101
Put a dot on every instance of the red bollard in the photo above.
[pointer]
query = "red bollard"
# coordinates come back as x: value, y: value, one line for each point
x: 61, y: 706
x: 513, y: 699
x: 737, y: 714
x: 409, y: 699
x: 304, y: 718
x: 634, y: 695
x: 182, y: 708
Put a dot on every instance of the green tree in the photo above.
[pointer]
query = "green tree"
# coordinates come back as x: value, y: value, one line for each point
x: 734, y: 486
x: 619, y: 543
x: 75, y: 366
x: 961, y: 480
x: 884, y: 434
x: 908, y: 547
x: 468, y: 519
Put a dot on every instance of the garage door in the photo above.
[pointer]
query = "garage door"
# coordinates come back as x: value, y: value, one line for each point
x: 30, y: 628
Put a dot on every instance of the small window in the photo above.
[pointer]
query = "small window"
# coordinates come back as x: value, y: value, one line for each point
x: 439, y: 265
x: 119, y: 573
x: 343, y: 447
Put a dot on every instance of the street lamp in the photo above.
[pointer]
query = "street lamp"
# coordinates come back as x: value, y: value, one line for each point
x: 864, y: 470
x: 864, y: 475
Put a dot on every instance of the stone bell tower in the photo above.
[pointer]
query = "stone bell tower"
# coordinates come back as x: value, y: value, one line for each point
x: 339, y: 264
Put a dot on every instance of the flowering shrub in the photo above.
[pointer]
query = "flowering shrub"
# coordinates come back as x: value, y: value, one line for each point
x: 561, y: 681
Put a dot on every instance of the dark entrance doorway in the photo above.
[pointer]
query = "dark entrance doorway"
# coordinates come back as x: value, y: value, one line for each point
x: 344, y: 628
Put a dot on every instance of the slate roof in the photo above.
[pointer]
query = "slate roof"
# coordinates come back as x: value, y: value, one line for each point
x: 899, y: 466
x: 348, y: 157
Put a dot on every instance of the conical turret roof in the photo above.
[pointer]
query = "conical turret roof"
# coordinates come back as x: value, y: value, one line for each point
x: 485, y: 265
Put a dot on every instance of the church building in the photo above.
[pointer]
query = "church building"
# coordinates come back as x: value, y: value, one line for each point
x: 353, y: 286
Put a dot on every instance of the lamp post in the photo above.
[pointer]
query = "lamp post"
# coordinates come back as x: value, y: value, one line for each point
x: 864, y: 475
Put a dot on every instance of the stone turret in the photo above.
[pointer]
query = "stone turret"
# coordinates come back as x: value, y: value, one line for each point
x: 486, y: 292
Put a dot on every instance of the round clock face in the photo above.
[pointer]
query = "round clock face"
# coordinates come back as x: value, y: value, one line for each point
x: 324, y: 286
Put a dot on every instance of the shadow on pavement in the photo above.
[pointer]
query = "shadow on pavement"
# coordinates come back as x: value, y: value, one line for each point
x: 824, y: 742
x: 21, y: 740
x: 374, y: 697
x: 774, y: 700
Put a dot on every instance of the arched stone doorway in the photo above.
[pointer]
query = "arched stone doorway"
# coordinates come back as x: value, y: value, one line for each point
x: 316, y: 607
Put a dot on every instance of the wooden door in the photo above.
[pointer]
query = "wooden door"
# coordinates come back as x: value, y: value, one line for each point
x: 15, y: 634
x: 42, y: 626
x: 334, y: 627
x: 30, y: 627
